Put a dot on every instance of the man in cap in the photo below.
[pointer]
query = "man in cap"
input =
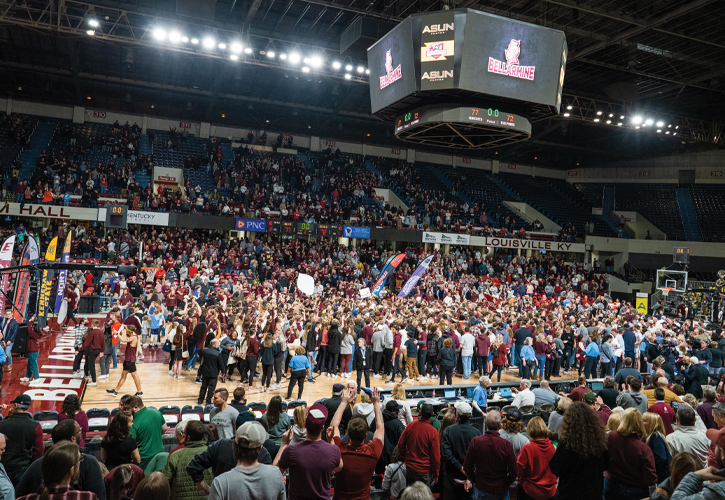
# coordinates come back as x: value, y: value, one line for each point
x: 454, y: 445
x: 393, y: 430
x: 420, y: 448
x: 249, y: 479
x: 310, y: 462
x: 25, y: 439
x: 332, y: 403
x: 596, y: 404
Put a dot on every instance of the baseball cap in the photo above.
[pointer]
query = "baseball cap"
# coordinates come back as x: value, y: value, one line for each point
x: 717, y: 436
x: 513, y: 414
x: 463, y: 408
x: 337, y: 388
x: 250, y: 435
x: 392, y: 405
x: 426, y: 410
x: 22, y: 400
x: 590, y: 398
x: 316, y: 417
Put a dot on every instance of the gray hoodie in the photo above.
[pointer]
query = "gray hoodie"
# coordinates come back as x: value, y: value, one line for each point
x: 633, y: 400
x: 298, y: 434
x: 365, y: 410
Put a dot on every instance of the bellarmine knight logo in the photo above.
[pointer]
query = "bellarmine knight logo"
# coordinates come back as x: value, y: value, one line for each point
x: 511, y: 66
x: 391, y: 74
x: 513, y: 51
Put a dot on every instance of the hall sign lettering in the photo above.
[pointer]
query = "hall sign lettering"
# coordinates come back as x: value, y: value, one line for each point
x: 48, y: 211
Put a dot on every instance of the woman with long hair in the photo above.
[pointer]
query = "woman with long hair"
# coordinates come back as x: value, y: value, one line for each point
x: 122, y: 481
x: 536, y: 481
x: 118, y: 446
x: 177, y: 352
x: 277, y: 420
x: 631, y: 468
x: 334, y: 342
x: 191, y: 341
x: 61, y: 468
x: 155, y: 486
x: 229, y: 346
x: 498, y: 356
x: 322, y: 356
x: 654, y: 436
x: 267, y: 352
x: 581, y: 457
x: 404, y: 413
x: 682, y: 464
x: 72, y: 410
x: 299, y: 431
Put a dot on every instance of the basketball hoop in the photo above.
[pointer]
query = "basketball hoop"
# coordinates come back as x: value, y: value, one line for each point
x: 150, y: 273
x: 665, y: 291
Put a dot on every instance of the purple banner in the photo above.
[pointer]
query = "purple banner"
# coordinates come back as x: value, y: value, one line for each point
x: 62, y: 275
x: 416, y: 276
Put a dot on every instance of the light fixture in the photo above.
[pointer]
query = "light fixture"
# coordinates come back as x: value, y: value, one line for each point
x: 348, y: 67
x: 208, y: 43
x: 309, y: 126
x: 89, y: 98
x: 348, y: 76
x: 195, y: 41
x: 368, y: 135
x: 659, y: 130
x: 93, y: 23
x: 20, y: 88
x: 367, y: 71
x: 568, y: 107
x: 619, y: 124
x: 669, y: 126
x: 233, y: 57
x: 360, y: 69
x: 609, y: 121
x: 305, y: 69
x: 316, y: 62
x: 306, y: 60
x: 270, y: 54
x: 283, y: 56
x: 677, y: 127
x: 649, y: 121
x: 599, y: 113
x: 267, y: 121
x: 223, y: 115
x: 185, y: 39
x: 637, y: 120
x: 596, y: 120
x: 674, y: 133
x: 91, y: 32
x: 566, y: 114
x: 611, y: 115
x: 336, y: 65
x: 294, y: 58
x: 667, y: 132
x: 159, y: 34
x: 174, y: 37
x: 637, y: 127
x: 644, y: 125
x: 236, y: 47
x: 621, y: 117
x: 248, y: 50
x: 660, y: 123
x: 152, y: 106
x: 222, y: 45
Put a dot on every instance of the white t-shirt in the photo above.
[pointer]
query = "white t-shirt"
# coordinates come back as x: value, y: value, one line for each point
x: 467, y: 343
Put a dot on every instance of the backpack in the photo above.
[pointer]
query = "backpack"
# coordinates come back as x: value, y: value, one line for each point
x: 433, y: 347
x: 494, y: 352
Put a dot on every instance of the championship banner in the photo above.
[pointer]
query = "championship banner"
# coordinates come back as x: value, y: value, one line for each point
x: 62, y: 275
x: 413, y: 280
x: 46, y: 285
x: 6, y: 257
x: 391, y: 266
x: 22, y: 287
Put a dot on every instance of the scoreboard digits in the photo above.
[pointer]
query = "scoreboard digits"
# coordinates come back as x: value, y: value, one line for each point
x: 116, y: 216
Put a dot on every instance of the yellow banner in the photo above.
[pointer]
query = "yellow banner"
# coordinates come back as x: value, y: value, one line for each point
x: 642, y: 303
x: 47, y: 283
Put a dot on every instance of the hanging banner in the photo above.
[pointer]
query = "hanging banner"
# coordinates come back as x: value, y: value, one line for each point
x: 642, y: 303
x: 46, y: 285
x: 22, y: 288
x: 62, y: 276
x: 413, y: 280
x: 446, y: 238
x: 6, y: 258
x: 389, y: 268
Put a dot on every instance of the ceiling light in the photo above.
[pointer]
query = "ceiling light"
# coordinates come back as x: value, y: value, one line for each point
x: 669, y: 126
x: 270, y: 54
x: 611, y: 115
x: 233, y: 57
x: 637, y: 120
x: 185, y: 39
x: 568, y: 107
x: 677, y: 127
x: 222, y: 45
x: 596, y: 119
x: 236, y: 47
x: 152, y: 106
x: 294, y: 58
x: 248, y: 50
x: 566, y: 114
x: 305, y: 69
x: 316, y: 62
x: 599, y: 113
x: 348, y: 76
x: 348, y: 67
x: 283, y: 56
x: 644, y: 125
x: 637, y: 127
x: 91, y: 32
x: 306, y: 60
x: 195, y: 41
x: 223, y: 115
x: 367, y: 71
x: 609, y: 121
x: 336, y: 65
x: 267, y: 121
x: 674, y: 133
x: 159, y: 34
x: 208, y: 43
x: 660, y: 123
x: 659, y: 130
x: 649, y: 121
x: 360, y: 69
x: 20, y: 88
x: 667, y: 132
x: 619, y: 124
x: 309, y: 126
x: 89, y: 98
x: 93, y: 23
x: 174, y: 37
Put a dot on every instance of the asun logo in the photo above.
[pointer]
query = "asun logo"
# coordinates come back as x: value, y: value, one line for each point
x: 511, y: 66
x: 437, y: 51
x: 391, y: 74
x: 437, y: 29
x: 437, y: 76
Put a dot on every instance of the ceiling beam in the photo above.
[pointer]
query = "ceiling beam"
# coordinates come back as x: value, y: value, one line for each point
x: 692, y: 82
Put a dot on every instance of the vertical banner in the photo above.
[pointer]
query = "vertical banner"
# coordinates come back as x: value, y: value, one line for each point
x: 46, y: 285
x: 389, y: 268
x: 22, y: 287
x: 6, y: 257
x: 415, y: 277
x: 62, y: 275
x: 437, y: 43
x: 642, y: 303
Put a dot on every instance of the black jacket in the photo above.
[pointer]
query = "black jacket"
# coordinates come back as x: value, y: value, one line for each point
x: 334, y: 339
x: 393, y: 430
x: 220, y: 457
x: 454, y: 446
x: 447, y: 357
x: 357, y: 361
x: 332, y: 404
x: 90, y: 478
x: 21, y: 431
x: 211, y: 363
x: 312, y: 338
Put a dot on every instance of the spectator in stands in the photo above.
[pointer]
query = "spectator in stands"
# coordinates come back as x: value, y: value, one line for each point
x: 180, y: 435
x: 490, y: 463
x: 454, y: 445
x: 25, y: 443
x: 310, y: 462
x: 524, y: 395
x: 182, y: 486
x: 686, y: 437
x: 419, y: 446
x: 654, y: 436
x: 211, y: 367
x: 276, y: 420
x: 633, y: 398
x: 704, y: 410
x: 155, y: 486
x: 621, y: 376
x: 331, y: 404
x: 393, y: 430
x: 511, y: 430
x: 71, y: 409
x: 544, y: 395
x: 663, y: 410
x: 556, y: 418
x: 148, y: 429
x: 118, y: 447
x: 9, y: 329
x: 7, y: 490
x: 358, y: 456
x: 61, y: 466
x: 631, y: 468
x: 88, y: 478
x: 536, y: 481
x: 121, y: 482
x: 223, y: 415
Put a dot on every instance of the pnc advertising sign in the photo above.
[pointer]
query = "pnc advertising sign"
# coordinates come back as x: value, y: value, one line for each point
x: 254, y: 225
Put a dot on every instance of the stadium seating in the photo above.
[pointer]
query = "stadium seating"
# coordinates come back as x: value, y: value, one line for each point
x: 98, y: 419
x: 172, y: 415
x: 192, y: 412
x: 709, y: 204
x: 47, y: 419
x: 656, y: 202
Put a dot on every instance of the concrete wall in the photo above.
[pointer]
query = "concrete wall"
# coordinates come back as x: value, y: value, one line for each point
x: 530, y: 214
x: 640, y: 225
x: 391, y: 197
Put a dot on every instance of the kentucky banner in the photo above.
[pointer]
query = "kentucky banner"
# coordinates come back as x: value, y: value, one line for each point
x: 47, y: 284
x: 22, y: 288
x: 62, y: 275
x: 389, y: 268
x: 416, y: 276
x: 6, y: 257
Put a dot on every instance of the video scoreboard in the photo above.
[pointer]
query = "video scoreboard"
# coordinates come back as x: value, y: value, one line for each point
x: 303, y: 229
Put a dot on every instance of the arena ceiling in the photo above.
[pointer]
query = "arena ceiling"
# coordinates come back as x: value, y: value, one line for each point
x: 660, y: 57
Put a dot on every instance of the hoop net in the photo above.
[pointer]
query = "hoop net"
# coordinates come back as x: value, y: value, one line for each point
x: 665, y: 291
x: 150, y: 273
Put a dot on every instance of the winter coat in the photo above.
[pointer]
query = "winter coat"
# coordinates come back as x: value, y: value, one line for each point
x: 182, y: 486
